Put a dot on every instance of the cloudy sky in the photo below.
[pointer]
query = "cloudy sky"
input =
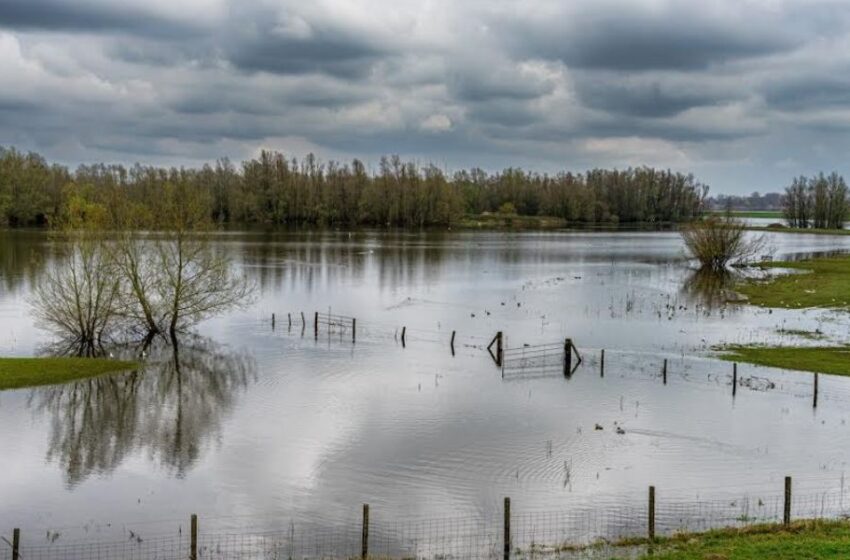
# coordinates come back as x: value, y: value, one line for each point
x: 743, y: 93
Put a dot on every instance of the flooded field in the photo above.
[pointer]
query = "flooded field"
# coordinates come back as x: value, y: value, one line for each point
x: 262, y: 426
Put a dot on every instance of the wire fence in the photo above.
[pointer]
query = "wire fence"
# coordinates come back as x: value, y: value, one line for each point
x: 582, y: 532
x: 534, y: 361
x: 521, y: 533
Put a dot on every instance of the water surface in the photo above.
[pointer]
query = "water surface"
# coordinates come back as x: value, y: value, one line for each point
x: 251, y: 426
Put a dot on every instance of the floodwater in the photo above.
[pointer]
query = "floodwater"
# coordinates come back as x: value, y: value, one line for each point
x: 252, y: 426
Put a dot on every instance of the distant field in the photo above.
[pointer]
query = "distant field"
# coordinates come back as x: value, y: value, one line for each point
x: 751, y: 213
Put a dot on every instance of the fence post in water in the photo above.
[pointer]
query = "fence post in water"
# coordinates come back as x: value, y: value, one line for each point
x: 289, y: 319
x: 734, y: 378
x: 786, y: 516
x: 272, y: 321
x: 364, y: 537
x: 316, y: 324
x: 664, y: 371
x: 568, y: 356
x: 403, y: 332
x: 303, y: 321
x: 16, y: 544
x: 353, y: 331
x: 507, y: 534
x: 193, y: 543
x: 602, y: 363
x: 452, y: 343
x: 651, y: 519
x: 815, y: 398
x: 499, y: 348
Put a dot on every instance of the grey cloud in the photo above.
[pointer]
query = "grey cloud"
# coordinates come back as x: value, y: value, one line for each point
x: 484, y: 84
x: 626, y: 38
x: 329, y: 51
x: 653, y: 98
x: 805, y: 92
x: 81, y: 15
x: 719, y: 84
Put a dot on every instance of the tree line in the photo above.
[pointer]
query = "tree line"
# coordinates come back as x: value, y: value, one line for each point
x: 818, y: 202
x: 275, y: 190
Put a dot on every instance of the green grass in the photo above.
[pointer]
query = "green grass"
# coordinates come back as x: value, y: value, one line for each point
x: 781, y: 228
x: 510, y: 221
x: 822, y: 283
x: 807, y: 540
x: 16, y: 373
x: 808, y: 335
x: 750, y: 213
x: 833, y: 360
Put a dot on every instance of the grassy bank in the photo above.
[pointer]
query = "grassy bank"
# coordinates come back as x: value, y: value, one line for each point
x: 820, y: 283
x: 812, y: 540
x: 806, y: 231
x: 16, y: 373
x: 834, y: 360
x: 772, y: 214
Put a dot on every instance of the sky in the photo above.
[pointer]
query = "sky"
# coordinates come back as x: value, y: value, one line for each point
x: 745, y: 94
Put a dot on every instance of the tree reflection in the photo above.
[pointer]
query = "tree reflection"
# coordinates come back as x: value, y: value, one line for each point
x: 713, y: 289
x: 170, y: 409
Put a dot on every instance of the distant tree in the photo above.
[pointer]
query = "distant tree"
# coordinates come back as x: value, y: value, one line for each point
x: 274, y: 190
x: 818, y: 192
x: 507, y: 209
x: 797, y: 206
x: 837, y: 193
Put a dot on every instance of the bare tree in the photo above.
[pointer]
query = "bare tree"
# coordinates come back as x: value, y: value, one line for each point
x: 194, y: 281
x: 77, y: 297
x: 717, y: 242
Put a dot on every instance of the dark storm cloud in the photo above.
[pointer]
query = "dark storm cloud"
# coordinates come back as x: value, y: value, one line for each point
x: 802, y: 92
x: 725, y: 85
x: 629, y: 38
x: 326, y: 53
x: 80, y: 15
x: 642, y: 99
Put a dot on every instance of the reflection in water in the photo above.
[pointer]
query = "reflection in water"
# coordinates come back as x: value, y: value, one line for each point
x: 22, y: 258
x: 710, y: 288
x: 169, y: 409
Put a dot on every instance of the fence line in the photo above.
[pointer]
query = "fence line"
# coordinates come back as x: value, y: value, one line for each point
x: 509, y: 533
x: 541, y: 360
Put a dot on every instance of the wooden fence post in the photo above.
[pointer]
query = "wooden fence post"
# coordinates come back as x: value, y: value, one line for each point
x: 289, y: 319
x: 353, y: 331
x: 452, y: 343
x: 193, y: 543
x: 651, y: 519
x: 734, y: 378
x: 272, y: 321
x: 507, y: 530
x: 568, y: 356
x: 499, y: 348
x: 16, y: 544
x: 664, y: 371
x: 786, y: 514
x: 815, y: 397
x: 364, y: 537
x: 316, y: 324
x: 602, y: 363
x: 403, y: 333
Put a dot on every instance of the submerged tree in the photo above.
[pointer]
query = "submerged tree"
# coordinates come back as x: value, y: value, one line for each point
x: 718, y: 242
x: 127, y: 283
x: 77, y: 297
